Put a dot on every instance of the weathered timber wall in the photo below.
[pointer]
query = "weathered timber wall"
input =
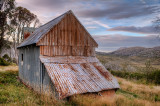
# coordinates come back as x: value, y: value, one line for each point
x: 67, y: 51
x: 68, y: 37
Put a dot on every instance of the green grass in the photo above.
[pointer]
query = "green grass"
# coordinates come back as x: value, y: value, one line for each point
x: 13, y: 92
x: 127, y: 93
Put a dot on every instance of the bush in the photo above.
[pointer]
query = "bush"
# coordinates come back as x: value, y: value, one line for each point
x: 14, y: 60
x: 154, y: 77
x: 7, y: 58
x: 3, y: 62
x: 150, y: 77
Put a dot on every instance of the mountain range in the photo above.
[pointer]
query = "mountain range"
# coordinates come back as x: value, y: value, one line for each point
x: 135, y: 51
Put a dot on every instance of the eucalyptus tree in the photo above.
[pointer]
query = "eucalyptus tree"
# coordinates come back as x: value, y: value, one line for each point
x: 23, y: 18
x: 6, y: 13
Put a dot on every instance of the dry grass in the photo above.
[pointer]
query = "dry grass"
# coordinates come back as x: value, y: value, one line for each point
x: 147, y: 92
x: 13, y: 93
x: 117, y: 100
x: 128, y: 85
x: 131, y: 94
x: 8, y: 68
x: 134, y: 61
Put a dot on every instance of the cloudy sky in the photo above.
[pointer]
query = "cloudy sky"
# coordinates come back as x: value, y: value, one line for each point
x: 113, y: 23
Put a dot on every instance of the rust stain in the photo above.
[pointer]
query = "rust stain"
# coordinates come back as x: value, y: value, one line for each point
x: 88, y: 69
x: 72, y: 68
x: 74, y: 77
x: 103, y: 72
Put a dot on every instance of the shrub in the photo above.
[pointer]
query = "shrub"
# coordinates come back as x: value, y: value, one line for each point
x: 154, y: 77
x: 3, y: 62
x: 150, y: 77
x: 14, y: 60
x: 7, y: 58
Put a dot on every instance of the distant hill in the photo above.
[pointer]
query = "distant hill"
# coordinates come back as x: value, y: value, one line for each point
x: 136, y: 51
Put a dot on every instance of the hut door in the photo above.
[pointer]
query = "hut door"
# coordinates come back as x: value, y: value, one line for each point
x: 42, y: 75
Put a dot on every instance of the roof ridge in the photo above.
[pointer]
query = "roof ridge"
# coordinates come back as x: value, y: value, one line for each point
x: 25, y: 43
x: 56, y: 18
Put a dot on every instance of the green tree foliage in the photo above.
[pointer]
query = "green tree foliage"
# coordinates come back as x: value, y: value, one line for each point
x: 6, y: 12
x: 7, y: 58
x: 12, y: 22
x: 22, y: 18
x: 3, y: 62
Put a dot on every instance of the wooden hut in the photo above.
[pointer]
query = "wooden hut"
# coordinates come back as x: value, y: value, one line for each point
x: 59, y: 59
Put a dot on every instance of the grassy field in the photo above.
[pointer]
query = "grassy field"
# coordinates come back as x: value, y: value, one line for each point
x: 132, y: 63
x: 12, y: 92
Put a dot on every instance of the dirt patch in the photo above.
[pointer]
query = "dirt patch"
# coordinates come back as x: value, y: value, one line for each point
x: 9, y: 68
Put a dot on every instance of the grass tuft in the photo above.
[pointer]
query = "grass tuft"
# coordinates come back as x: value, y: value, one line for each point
x: 14, y: 93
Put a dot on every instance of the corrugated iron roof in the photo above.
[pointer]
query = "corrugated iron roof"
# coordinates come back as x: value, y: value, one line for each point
x: 29, y: 29
x: 42, y: 30
x: 75, y: 78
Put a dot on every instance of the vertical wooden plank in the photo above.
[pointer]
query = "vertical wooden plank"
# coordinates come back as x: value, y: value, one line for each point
x: 72, y: 33
x: 52, y: 50
x: 77, y: 33
x: 44, y: 50
x: 69, y: 29
x: 48, y: 50
x: 62, y: 32
x: 58, y: 35
x: 80, y: 36
x: 83, y: 37
x: 50, y: 37
x: 55, y: 50
x: 66, y: 31
x: 45, y: 41
x: 61, y: 50
x: 68, y: 50
x: 55, y: 35
x: 40, y: 50
x: 57, y: 47
x: 49, y: 43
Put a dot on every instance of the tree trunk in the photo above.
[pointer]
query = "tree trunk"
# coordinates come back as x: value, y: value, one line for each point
x: 18, y: 34
x: 2, y: 29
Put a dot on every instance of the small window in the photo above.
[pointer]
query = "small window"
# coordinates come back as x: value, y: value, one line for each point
x: 22, y: 57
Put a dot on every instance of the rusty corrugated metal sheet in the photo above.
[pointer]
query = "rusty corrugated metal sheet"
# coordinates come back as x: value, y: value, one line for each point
x: 68, y: 59
x: 75, y: 78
